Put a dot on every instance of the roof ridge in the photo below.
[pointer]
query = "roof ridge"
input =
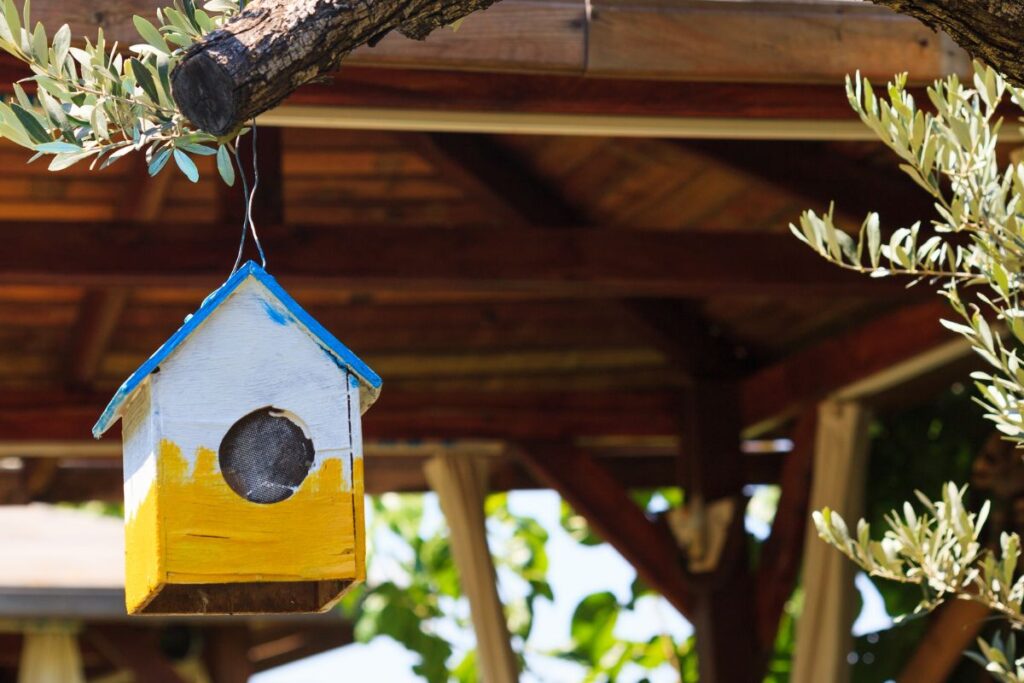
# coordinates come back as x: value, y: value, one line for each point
x: 250, y: 269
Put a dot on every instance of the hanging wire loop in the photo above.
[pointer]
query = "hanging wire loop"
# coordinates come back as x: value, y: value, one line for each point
x: 248, y: 196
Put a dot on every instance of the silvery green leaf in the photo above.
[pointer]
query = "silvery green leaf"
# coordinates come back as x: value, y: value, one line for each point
x: 31, y: 124
x: 149, y: 33
x: 204, y: 22
x: 21, y: 96
x: 40, y: 46
x: 144, y: 78
x: 220, y: 6
x: 159, y: 161
x: 16, y: 134
x: 195, y: 148
x: 13, y: 21
x: 61, y: 45
x: 58, y: 147
x: 225, y: 166
x: 99, y: 123
x: 874, y: 237
x: 187, y: 166
x: 64, y: 160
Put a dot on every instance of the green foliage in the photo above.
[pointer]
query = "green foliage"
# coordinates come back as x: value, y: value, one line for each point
x: 420, y: 602
x: 604, y: 655
x: 95, y: 103
x: 976, y: 243
x: 423, y: 588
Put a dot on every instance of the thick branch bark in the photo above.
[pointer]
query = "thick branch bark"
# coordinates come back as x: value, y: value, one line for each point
x: 990, y: 30
x: 275, y: 46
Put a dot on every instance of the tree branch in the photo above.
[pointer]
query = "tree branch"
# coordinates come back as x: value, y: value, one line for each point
x: 274, y: 46
x: 989, y: 30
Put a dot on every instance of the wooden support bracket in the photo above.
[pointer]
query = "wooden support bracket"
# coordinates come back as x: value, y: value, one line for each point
x: 602, y: 500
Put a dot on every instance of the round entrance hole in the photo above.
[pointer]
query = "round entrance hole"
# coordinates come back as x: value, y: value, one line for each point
x: 265, y: 456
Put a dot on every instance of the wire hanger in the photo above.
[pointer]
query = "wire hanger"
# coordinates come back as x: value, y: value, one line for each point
x: 248, y: 225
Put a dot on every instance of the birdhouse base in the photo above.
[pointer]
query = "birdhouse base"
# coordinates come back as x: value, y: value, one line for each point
x: 271, y: 597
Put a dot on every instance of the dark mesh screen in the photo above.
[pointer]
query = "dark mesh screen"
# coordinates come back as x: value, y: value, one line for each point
x: 265, y: 456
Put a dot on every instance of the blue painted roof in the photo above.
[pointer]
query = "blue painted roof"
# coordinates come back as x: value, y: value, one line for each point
x: 369, y: 379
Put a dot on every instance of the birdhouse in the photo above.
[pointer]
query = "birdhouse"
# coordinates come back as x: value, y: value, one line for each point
x: 243, y: 476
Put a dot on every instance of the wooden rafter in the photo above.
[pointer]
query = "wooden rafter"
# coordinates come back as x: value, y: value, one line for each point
x: 691, y: 341
x: 602, y: 500
x: 98, y: 316
x: 952, y: 630
x: 135, y: 650
x: 273, y: 647
x: 567, y: 263
x: 873, y: 348
x: 770, y: 394
x: 143, y: 197
x: 492, y: 174
x: 821, y: 175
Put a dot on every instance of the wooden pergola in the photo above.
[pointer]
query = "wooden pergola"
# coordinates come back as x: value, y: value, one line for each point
x: 559, y: 234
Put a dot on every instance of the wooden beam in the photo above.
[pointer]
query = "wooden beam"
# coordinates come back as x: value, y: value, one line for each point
x: 61, y: 417
x: 709, y: 471
x: 33, y: 481
x: 768, y: 396
x: 483, y: 166
x: 854, y: 186
x: 510, y: 103
x: 135, y: 650
x: 687, y: 40
x: 98, y: 316
x: 143, y: 198
x: 951, y: 630
x: 100, y: 478
x: 594, y: 493
x: 567, y: 263
x: 532, y: 94
x: 282, y: 646
x: 820, y: 41
x: 691, y: 341
x: 782, y: 553
x: 854, y: 357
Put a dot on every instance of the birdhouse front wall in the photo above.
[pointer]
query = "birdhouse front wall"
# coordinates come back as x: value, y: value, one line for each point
x: 186, y: 524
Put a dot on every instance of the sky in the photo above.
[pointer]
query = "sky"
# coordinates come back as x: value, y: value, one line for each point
x: 575, y: 571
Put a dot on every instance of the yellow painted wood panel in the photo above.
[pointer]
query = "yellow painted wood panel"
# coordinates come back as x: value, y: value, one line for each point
x: 144, y: 553
x: 213, y: 535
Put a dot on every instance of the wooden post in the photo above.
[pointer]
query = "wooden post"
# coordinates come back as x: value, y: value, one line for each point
x: 226, y: 654
x: 50, y: 654
x: 710, y: 470
x: 823, y: 638
x: 779, y: 567
x: 461, y: 484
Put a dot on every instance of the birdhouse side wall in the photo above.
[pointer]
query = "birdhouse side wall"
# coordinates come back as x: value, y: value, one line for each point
x: 249, y: 355
x: 355, y: 411
x: 144, y: 552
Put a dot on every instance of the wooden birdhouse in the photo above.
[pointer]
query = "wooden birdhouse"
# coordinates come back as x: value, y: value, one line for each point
x: 243, y: 476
